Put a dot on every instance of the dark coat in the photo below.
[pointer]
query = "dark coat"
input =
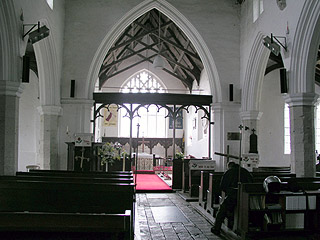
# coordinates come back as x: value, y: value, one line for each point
x: 230, y: 179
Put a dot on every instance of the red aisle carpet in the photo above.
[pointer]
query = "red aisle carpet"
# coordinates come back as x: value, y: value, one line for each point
x: 150, y: 183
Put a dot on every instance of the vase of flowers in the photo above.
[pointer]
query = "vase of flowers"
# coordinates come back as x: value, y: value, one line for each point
x: 111, y: 154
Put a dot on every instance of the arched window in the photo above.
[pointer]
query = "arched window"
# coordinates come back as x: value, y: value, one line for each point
x: 287, y: 146
x: 317, y: 127
x: 152, y: 121
x: 143, y: 82
x: 50, y: 3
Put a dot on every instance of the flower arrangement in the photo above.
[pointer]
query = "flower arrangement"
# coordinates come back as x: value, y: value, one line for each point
x: 109, y: 153
x: 179, y: 155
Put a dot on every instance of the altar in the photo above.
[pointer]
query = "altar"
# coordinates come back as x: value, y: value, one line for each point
x: 145, y: 162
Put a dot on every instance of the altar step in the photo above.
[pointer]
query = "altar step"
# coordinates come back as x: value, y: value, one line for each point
x: 144, y: 172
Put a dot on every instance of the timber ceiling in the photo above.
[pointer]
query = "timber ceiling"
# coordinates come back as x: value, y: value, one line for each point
x: 141, y: 39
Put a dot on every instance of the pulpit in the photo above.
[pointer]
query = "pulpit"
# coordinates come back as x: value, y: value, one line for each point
x: 81, y: 158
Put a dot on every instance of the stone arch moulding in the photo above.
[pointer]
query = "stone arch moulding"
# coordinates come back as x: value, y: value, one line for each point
x: 305, y: 48
x: 179, y: 20
x: 9, y: 42
x: 48, y: 69
x: 253, y: 80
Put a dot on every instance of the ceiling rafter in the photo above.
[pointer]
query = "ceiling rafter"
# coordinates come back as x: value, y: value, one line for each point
x: 141, y: 36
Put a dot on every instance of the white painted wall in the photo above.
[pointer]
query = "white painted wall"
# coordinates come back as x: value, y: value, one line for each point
x: 29, y: 120
x: 271, y: 125
x: 217, y: 21
x: 272, y: 20
x: 196, y: 134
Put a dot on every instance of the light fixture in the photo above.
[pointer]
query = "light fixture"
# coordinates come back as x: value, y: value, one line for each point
x: 158, y: 61
x: 272, y: 45
x: 36, y: 35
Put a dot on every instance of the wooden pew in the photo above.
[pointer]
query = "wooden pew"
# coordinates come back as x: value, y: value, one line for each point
x: 186, y: 172
x: 77, y: 174
x: 253, y: 206
x: 195, y: 168
x: 213, y: 192
x: 94, y: 173
x: 273, y: 169
x: 31, y: 177
x: 109, y: 202
x: 43, y: 226
x: 203, y: 188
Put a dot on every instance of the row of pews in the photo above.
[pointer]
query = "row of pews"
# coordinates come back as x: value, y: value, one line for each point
x: 254, y: 204
x: 47, y: 204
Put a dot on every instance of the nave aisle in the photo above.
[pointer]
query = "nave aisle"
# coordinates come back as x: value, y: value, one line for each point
x: 167, y: 216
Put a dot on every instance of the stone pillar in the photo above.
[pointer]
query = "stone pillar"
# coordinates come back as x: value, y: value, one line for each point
x: 9, y: 120
x: 249, y: 119
x: 49, y: 144
x: 302, y: 133
x: 76, y: 118
x: 226, y: 118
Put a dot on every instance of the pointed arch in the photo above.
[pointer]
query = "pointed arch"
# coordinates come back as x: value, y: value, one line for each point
x: 305, y: 48
x: 181, y: 21
x: 9, y: 42
x: 48, y: 69
x: 254, y: 75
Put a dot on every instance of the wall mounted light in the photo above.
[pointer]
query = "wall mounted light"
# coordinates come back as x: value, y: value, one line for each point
x: 274, y: 44
x: 38, y: 34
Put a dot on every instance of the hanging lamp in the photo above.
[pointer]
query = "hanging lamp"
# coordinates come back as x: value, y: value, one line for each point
x: 158, y: 61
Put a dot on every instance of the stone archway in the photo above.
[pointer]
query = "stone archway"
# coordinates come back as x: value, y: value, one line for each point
x: 301, y: 96
x: 179, y: 20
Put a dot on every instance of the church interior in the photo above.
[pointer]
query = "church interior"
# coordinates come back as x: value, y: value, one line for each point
x: 120, y: 119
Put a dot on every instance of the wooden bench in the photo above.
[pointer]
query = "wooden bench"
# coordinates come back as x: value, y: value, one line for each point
x: 273, y: 169
x: 66, y: 205
x: 76, y: 174
x: 254, y: 205
x: 214, y: 191
x: 31, y: 177
x: 203, y: 188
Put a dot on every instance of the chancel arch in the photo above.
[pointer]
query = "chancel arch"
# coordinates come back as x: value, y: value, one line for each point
x: 302, y: 96
x: 183, y: 23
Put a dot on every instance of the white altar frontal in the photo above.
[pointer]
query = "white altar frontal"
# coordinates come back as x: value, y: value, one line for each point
x: 145, y: 162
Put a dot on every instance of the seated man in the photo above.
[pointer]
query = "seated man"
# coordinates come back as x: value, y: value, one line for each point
x: 229, y: 185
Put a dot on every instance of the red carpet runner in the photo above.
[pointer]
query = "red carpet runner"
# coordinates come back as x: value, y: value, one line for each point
x: 150, y: 183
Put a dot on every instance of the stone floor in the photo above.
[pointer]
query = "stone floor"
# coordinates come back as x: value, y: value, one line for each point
x: 168, y: 216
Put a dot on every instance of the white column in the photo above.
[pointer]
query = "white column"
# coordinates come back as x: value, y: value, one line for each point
x: 49, y: 143
x: 302, y: 135
x: 226, y: 118
x: 10, y: 92
x: 76, y: 118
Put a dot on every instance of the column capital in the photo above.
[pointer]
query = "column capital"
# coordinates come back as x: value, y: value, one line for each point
x: 50, y: 110
x: 11, y: 88
x: 249, y: 115
x: 301, y: 99
x: 226, y: 106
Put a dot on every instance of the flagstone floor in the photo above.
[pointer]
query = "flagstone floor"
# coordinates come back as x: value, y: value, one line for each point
x: 167, y: 216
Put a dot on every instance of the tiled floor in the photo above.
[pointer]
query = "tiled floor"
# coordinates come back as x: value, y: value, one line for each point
x: 168, y: 216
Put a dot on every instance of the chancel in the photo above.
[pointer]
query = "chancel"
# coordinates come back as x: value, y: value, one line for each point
x: 96, y: 132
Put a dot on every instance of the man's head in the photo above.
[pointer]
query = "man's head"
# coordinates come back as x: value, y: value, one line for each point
x: 232, y: 165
